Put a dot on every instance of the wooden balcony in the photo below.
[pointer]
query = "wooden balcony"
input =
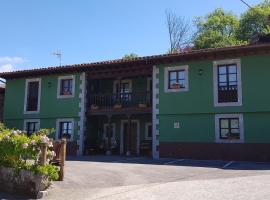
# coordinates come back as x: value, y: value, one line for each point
x: 120, y: 103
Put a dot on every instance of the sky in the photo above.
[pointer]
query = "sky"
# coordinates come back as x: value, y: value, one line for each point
x: 91, y: 30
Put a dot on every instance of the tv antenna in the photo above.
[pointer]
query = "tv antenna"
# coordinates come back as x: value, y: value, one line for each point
x: 58, y: 54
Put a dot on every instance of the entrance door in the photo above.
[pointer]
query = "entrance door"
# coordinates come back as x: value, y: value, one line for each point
x: 132, y: 140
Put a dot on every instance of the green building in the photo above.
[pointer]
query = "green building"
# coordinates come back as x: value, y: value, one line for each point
x: 204, y: 104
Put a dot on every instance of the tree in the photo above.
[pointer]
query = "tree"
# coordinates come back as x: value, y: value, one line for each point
x: 255, y: 21
x: 130, y: 56
x: 217, y: 29
x: 179, y: 31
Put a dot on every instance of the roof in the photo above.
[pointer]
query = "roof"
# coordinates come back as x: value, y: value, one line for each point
x: 210, y: 53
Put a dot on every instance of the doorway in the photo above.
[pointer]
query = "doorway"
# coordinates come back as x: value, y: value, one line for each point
x: 134, y: 142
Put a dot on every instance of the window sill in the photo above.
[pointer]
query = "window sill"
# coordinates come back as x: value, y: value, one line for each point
x: 228, y: 104
x: 176, y: 90
x: 65, y: 96
x: 235, y: 141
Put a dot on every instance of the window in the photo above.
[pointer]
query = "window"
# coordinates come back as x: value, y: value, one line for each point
x: 66, y: 87
x: 123, y: 89
x: 32, y: 95
x: 229, y: 128
x: 176, y: 79
x: 148, y: 131
x: 31, y: 126
x: 64, y: 128
x: 227, y: 83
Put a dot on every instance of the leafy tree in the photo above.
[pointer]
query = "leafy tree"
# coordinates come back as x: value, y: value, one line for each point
x: 217, y: 29
x: 130, y: 56
x: 255, y: 21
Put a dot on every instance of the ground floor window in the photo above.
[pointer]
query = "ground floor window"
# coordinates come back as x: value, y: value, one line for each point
x: 31, y: 126
x: 229, y: 128
x: 65, y: 128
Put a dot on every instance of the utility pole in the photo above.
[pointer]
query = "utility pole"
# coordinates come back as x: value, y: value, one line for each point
x: 58, y: 54
x: 246, y: 4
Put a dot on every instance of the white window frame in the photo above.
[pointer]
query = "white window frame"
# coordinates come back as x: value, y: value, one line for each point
x: 239, y: 82
x: 217, y: 128
x: 31, y: 120
x: 27, y: 81
x: 166, y: 78
x: 60, y: 78
x: 129, y: 81
x: 58, y: 121
x: 104, y: 130
x: 147, y: 124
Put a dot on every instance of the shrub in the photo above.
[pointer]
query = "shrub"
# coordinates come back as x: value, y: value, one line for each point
x: 19, y: 151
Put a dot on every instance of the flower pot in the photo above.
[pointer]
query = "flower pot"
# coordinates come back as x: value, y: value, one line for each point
x: 94, y: 107
x: 142, y: 105
x: 117, y: 106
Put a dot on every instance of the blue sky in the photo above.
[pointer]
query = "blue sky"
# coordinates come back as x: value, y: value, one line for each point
x: 90, y: 30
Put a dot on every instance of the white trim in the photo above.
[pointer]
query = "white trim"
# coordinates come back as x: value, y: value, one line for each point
x: 146, y: 127
x: 122, y: 135
x: 239, y: 82
x: 104, y: 130
x: 155, y: 153
x: 82, y: 106
x: 58, y: 128
x: 166, y: 78
x: 59, y: 96
x: 129, y: 81
x: 26, y: 94
x: 31, y: 120
x: 241, y: 127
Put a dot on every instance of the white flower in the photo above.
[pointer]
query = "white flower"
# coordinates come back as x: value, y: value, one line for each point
x: 33, y: 142
x: 50, y: 144
x: 24, y: 145
x: 44, y: 139
x: 6, y: 137
x: 14, y: 132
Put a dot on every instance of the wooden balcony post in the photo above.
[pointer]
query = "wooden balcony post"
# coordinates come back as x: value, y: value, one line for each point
x: 128, y: 136
x: 108, y: 152
x: 63, y: 144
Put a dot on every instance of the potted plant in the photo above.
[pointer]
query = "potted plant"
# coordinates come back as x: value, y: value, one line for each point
x: 94, y: 107
x: 175, y: 86
x: 142, y: 105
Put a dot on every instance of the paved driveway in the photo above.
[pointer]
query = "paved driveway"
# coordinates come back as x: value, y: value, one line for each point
x: 101, y: 177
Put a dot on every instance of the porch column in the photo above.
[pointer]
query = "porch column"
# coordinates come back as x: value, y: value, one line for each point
x: 128, y: 136
x: 108, y: 152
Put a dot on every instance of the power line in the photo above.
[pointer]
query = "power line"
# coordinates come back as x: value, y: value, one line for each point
x: 246, y: 4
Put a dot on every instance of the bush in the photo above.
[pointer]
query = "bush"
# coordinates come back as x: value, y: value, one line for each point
x: 19, y: 151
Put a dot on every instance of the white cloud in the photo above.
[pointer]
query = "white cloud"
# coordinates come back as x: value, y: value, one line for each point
x: 6, y: 68
x: 13, y: 60
x: 8, y: 63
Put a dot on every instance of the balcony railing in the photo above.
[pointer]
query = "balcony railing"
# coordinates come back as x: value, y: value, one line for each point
x: 227, y: 94
x: 120, y: 100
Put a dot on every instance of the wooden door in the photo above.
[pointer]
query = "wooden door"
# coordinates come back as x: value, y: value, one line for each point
x: 132, y: 138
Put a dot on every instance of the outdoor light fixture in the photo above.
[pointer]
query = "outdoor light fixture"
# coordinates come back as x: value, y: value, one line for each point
x: 200, y: 71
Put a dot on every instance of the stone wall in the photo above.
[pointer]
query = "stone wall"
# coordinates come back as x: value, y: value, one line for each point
x: 24, y: 182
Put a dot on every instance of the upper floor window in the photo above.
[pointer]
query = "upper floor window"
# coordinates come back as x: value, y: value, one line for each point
x: 176, y: 79
x: 123, y: 89
x: 32, y: 95
x: 227, y: 84
x: 31, y: 126
x: 229, y: 128
x: 66, y: 86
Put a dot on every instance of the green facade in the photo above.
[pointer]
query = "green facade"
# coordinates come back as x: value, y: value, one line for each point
x: 51, y: 108
x: 195, y: 110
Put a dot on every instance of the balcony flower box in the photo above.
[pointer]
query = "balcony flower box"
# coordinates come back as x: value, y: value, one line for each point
x: 117, y: 106
x: 142, y: 105
x: 94, y: 107
x: 175, y: 86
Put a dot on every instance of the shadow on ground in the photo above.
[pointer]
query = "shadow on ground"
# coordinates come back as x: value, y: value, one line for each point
x: 220, y: 164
